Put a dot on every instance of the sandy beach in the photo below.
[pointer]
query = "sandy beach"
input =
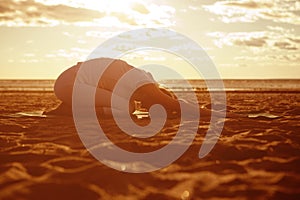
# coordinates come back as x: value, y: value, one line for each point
x: 255, y: 158
x: 126, y: 100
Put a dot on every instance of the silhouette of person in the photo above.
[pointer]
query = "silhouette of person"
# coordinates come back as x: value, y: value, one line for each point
x: 146, y: 89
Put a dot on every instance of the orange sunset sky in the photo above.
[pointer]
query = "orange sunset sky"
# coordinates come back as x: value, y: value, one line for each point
x: 245, y: 39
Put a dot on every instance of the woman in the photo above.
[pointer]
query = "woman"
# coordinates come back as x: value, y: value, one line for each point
x: 146, y: 90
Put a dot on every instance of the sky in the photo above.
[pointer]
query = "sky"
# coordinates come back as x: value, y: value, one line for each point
x: 244, y: 38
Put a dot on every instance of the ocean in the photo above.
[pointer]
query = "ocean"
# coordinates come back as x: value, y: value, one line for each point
x: 235, y: 85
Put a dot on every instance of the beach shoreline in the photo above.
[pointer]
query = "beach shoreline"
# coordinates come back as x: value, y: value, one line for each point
x: 43, y: 157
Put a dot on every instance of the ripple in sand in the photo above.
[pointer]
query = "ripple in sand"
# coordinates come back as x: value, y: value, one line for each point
x: 12, y: 127
x: 46, y: 148
x: 70, y: 164
x: 263, y: 116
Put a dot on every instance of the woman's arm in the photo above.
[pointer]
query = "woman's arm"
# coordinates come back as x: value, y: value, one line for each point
x: 151, y: 94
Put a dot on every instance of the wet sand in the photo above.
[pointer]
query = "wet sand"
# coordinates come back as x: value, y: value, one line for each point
x: 258, y: 158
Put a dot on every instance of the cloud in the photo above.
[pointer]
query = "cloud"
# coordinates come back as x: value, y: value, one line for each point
x: 139, y: 7
x: 249, y: 4
x: 251, y: 42
x: 286, y: 59
x: 249, y: 39
x: 290, y: 58
x: 22, y: 13
x: 281, y: 11
x: 285, y: 45
x: 296, y: 40
x: 69, y: 54
x: 274, y: 45
x: 52, y: 13
x: 282, y: 39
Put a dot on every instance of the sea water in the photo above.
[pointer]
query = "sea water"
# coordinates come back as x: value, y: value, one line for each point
x: 276, y: 85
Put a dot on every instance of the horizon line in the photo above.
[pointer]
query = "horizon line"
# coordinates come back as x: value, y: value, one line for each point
x: 48, y: 79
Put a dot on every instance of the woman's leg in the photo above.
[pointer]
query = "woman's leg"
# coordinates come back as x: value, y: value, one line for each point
x: 103, y: 97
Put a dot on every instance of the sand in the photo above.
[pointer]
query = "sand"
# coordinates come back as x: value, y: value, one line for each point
x: 255, y: 158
